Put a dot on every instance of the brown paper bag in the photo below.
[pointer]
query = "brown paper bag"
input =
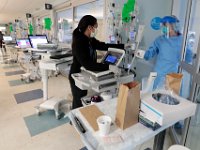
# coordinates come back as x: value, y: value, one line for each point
x: 173, y: 82
x: 128, y: 105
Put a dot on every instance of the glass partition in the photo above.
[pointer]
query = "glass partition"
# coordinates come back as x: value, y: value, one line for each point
x: 64, y: 20
x: 185, y: 132
x: 192, y: 132
x: 193, y: 135
x: 147, y: 11
x: 193, y: 31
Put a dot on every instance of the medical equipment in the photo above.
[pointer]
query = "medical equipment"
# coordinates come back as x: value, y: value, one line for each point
x: 136, y: 44
x: 12, y: 53
x: 23, y: 43
x: 30, y: 60
x: 123, y: 26
x: 37, y: 39
x: 161, y: 105
x: 47, y: 46
x: 113, y: 57
x: 46, y: 50
x: 29, y: 63
x: 7, y: 38
x: 53, y: 103
x: 104, y: 80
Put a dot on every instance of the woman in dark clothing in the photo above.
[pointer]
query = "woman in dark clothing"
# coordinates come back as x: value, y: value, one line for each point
x: 1, y: 43
x: 1, y: 39
x: 84, y: 47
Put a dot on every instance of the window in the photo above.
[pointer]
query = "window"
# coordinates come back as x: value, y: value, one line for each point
x: 93, y: 8
x: 64, y: 20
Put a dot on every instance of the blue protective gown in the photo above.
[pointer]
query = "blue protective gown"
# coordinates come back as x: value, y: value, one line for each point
x: 168, y: 52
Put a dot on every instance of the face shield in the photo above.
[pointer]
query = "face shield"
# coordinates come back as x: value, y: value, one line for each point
x: 165, y: 28
x: 166, y: 24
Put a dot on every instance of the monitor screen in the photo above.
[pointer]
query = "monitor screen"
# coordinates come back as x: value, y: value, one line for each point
x: 110, y: 59
x: 112, y: 39
x: 23, y: 43
x: 7, y: 38
x: 37, y: 39
x: 113, y: 56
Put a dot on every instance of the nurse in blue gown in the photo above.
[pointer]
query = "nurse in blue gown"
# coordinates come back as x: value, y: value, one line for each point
x: 167, y: 48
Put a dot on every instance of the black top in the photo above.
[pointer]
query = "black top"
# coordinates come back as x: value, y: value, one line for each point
x: 60, y: 56
x: 84, y: 53
x: 1, y: 37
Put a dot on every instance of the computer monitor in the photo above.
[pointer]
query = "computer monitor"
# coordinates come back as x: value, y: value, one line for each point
x: 23, y: 43
x: 7, y: 38
x: 113, y: 56
x: 37, y: 39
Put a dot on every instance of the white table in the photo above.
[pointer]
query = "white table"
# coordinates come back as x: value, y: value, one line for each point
x: 132, y: 136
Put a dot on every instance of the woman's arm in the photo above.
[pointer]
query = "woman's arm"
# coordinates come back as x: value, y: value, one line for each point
x: 152, y: 51
x: 82, y: 54
x: 103, y: 46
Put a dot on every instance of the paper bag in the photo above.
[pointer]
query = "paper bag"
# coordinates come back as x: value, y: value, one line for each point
x: 173, y: 82
x: 128, y: 104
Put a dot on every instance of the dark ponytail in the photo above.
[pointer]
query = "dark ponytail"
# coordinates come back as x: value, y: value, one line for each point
x: 84, y: 23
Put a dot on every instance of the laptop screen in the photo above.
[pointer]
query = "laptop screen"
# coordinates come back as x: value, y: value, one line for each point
x: 7, y: 38
x: 37, y: 39
x: 23, y: 43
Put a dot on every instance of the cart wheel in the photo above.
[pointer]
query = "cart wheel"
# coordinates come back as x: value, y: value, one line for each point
x: 27, y: 80
x: 38, y: 112
x: 58, y: 117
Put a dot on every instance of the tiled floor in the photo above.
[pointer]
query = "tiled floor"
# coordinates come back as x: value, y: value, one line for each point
x: 14, y: 134
x: 13, y: 131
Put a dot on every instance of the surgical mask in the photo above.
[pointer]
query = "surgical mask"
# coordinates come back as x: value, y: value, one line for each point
x: 165, y: 31
x: 93, y: 34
